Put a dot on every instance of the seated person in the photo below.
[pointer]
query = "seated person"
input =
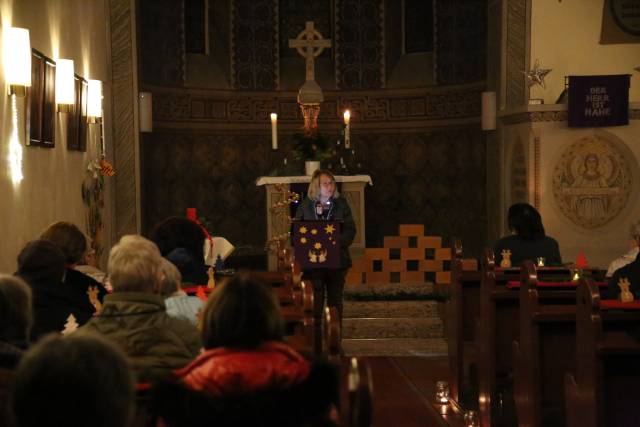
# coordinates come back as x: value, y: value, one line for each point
x: 73, y: 244
x: 247, y: 374
x: 73, y: 381
x: 631, y: 272
x: 177, y: 302
x: 243, y: 332
x: 528, y: 241
x: 42, y: 265
x: 181, y: 241
x: 629, y: 256
x: 16, y: 319
x: 134, y: 315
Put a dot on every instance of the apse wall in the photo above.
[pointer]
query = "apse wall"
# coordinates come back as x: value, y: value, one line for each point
x: 50, y: 188
x: 415, y: 116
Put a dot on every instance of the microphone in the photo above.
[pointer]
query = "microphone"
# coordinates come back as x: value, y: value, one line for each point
x: 319, y: 209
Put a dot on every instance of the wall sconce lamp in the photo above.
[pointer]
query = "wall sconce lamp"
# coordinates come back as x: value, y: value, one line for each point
x: 145, y: 111
x: 17, y: 60
x: 94, y: 102
x: 65, y: 85
x: 488, y: 118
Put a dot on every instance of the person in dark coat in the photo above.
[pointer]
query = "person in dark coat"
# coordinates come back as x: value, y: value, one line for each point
x: 73, y: 381
x: 323, y: 202
x: 16, y: 319
x: 73, y: 244
x: 181, y: 241
x: 42, y: 265
x: 528, y: 241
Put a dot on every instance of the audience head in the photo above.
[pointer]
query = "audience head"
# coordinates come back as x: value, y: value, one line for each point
x: 178, y: 232
x: 73, y: 381
x: 315, y: 185
x: 71, y: 241
x: 135, y: 265
x: 16, y: 315
x: 525, y: 221
x: 171, y: 280
x: 41, y: 262
x: 242, y: 312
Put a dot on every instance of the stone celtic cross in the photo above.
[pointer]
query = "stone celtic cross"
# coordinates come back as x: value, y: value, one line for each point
x: 310, y: 45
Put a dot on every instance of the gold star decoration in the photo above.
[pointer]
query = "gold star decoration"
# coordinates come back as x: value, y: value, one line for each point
x: 303, y: 240
x: 318, y: 246
x: 303, y: 230
x: 314, y: 231
x: 536, y: 75
x: 329, y: 229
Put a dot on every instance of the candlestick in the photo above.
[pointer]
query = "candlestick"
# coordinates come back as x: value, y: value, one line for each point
x: 274, y: 131
x: 347, y: 126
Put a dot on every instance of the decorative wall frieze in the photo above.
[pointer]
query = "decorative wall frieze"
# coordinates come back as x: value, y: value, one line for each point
x: 218, y: 107
x: 548, y: 116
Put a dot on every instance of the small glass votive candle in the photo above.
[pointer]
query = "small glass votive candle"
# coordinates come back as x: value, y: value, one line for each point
x: 442, y: 392
x: 541, y: 261
x: 471, y: 419
x: 576, y: 275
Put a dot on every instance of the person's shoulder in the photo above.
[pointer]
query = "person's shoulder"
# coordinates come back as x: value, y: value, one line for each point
x: 506, y: 240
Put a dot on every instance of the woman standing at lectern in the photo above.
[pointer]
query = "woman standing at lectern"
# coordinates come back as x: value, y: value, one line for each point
x: 323, y: 202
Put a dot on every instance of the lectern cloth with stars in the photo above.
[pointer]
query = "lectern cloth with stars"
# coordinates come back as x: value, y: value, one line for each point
x: 317, y: 244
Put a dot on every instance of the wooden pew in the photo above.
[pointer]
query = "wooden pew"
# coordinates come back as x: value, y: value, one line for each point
x: 604, y: 389
x: 357, y: 393
x: 462, y: 311
x: 498, y: 327
x: 545, y: 348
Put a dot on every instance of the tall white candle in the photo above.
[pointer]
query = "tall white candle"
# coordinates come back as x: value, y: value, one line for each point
x: 347, y: 119
x: 274, y: 131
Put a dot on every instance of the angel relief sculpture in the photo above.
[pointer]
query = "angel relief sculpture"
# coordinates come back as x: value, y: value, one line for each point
x: 591, y: 184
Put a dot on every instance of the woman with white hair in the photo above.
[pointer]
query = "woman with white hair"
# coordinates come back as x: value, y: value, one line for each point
x: 629, y: 257
x: 134, y: 316
x: 178, y: 303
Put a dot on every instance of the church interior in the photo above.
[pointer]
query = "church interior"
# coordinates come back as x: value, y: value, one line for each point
x: 433, y: 120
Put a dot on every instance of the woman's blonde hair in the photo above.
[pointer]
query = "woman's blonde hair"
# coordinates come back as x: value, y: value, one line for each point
x: 314, y: 186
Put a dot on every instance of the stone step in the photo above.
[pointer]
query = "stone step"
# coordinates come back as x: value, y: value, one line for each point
x: 390, y: 309
x: 421, y: 288
x: 394, y: 327
x: 425, y: 347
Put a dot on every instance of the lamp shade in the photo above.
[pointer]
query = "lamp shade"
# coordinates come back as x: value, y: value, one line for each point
x: 145, y: 107
x: 17, y: 56
x: 65, y: 83
x: 488, y: 111
x: 94, y: 99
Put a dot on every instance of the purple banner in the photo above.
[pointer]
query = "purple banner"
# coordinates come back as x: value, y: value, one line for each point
x: 317, y: 244
x: 596, y: 101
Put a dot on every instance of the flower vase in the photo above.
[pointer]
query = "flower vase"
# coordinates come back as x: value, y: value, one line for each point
x: 310, y: 166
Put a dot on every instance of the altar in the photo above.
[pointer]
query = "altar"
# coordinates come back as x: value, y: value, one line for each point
x: 351, y: 187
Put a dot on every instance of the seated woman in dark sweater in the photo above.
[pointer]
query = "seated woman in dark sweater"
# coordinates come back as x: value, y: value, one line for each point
x: 528, y: 241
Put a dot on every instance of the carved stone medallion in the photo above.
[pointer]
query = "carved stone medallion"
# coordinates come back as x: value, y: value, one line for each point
x: 591, y: 182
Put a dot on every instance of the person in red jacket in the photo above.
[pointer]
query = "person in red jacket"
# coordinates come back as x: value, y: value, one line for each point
x: 242, y: 331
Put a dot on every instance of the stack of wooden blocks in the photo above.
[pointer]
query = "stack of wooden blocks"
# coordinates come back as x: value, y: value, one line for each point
x: 410, y: 257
